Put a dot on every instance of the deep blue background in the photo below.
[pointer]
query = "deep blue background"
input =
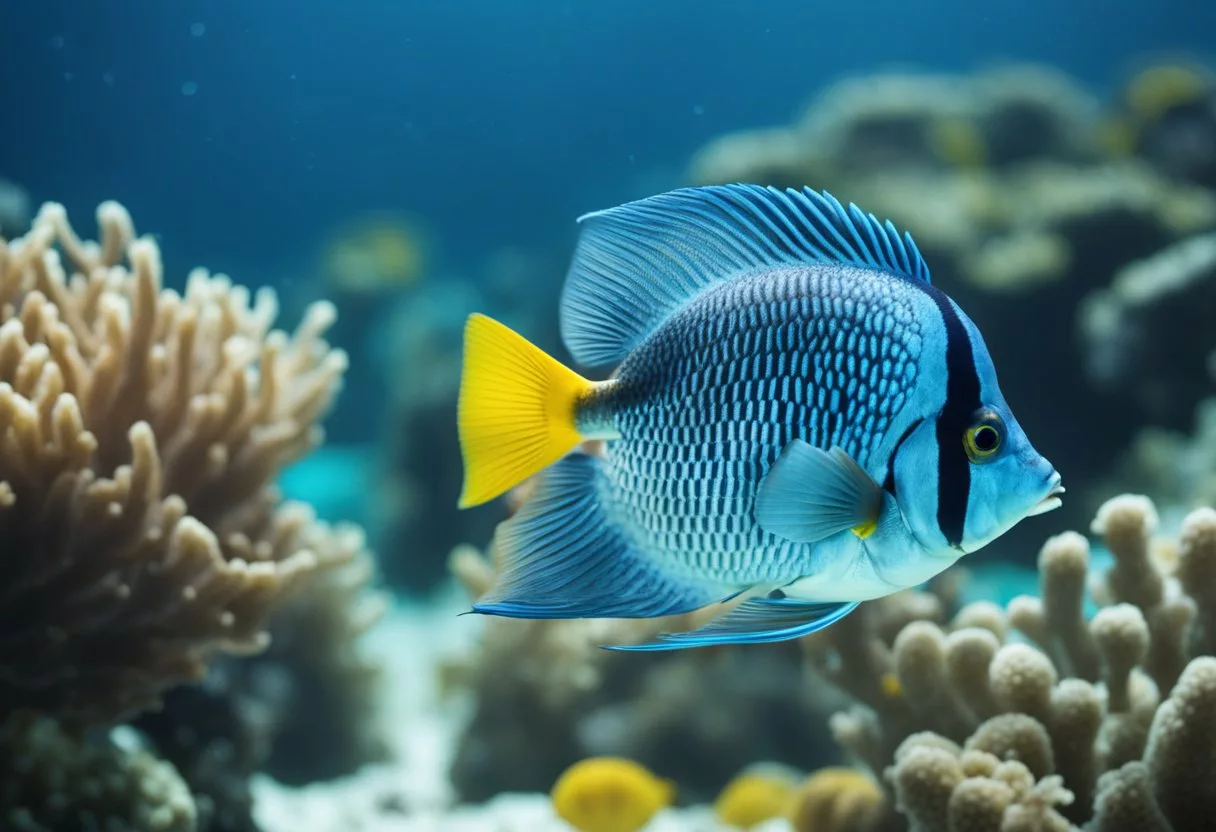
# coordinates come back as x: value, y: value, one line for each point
x: 499, y: 121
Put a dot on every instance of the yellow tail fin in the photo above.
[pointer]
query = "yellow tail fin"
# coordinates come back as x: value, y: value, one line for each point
x: 517, y: 409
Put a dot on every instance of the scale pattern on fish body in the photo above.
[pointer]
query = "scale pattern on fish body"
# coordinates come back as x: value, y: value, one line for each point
x: 705, y: 405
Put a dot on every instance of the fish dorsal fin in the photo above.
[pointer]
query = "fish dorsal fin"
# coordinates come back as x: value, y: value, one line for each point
x: 635, y: 264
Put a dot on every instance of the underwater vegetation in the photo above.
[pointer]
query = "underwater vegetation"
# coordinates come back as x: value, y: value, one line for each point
x: 184, y: 650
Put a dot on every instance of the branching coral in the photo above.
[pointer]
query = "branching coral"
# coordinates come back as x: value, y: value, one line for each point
x: 1148, y: 333
x: 139, y: 433
x: 986, y: 730
x: 50, y: 781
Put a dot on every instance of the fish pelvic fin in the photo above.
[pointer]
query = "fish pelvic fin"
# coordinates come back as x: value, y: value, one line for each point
x: 562, y: 556
x: 755, y: 621
x: 517, y: 409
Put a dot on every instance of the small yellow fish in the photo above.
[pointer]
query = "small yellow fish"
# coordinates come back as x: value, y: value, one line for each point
x: 610, y: 794
x: 374, y: 254
x: 755, y: 796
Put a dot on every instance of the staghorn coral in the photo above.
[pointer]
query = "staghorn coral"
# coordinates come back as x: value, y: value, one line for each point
x: 986, y: 732
x: 50, y: 781
x: 139, y: 432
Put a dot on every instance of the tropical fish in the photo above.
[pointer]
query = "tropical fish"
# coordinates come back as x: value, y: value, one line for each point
x: 799, y: 420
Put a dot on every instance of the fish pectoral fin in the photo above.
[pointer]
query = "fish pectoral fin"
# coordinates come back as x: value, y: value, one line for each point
x: 810, y: 494
x: 755, y: 621
x: 562, y: 556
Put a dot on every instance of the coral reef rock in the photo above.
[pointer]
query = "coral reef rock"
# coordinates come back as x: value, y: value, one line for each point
x: 50, y: 782
x: 1093, y: 721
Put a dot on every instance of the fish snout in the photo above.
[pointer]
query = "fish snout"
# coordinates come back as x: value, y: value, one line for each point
x: 1053, y: 493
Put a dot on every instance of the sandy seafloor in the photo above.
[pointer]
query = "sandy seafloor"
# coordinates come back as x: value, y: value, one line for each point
x: 412, y: 792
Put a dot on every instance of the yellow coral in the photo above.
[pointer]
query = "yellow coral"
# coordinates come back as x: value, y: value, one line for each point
x: 609, y: 794
x: 891, y: 686
x: 837, y: 799
x: 1117, y: 136
x: 375, y: 253
x: 754, y: 797
x: 959, y: 143
x: 1158, y: 89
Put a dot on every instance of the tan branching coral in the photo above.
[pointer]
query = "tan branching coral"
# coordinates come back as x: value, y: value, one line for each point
x: 140, y: 430
x: 1100, y: 719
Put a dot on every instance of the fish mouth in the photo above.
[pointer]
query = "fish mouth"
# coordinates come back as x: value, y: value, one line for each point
x: 1050, y: 501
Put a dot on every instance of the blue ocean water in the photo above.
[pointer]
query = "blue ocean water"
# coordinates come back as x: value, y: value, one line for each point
x: 240, y: 132
x: 243, y: 128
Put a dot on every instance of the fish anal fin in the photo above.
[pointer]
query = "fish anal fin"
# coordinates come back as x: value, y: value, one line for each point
x: 755, y: 621
x: 810, y: 494
x: 561, y: 556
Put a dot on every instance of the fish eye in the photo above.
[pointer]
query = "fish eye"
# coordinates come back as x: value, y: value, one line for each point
x: 983, y: 438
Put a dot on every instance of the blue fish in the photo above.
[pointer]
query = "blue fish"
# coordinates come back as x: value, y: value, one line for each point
x: 798, y: 420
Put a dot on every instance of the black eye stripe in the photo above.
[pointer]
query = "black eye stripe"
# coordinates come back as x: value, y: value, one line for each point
x: 962, y: 400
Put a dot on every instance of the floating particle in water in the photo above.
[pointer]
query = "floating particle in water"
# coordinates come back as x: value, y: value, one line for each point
x: 198, y: 29
x: 107, y: 78
x: 57, y: 42
x: 189, y: 88
x: 68, y: 76
x: 698, y: 110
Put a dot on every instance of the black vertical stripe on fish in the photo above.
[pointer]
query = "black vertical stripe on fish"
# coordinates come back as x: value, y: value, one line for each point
x: 888, y: 483
x: 962, y: 400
